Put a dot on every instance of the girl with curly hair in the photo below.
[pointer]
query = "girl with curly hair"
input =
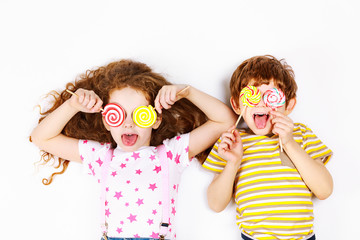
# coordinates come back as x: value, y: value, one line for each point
x: 126, y: 157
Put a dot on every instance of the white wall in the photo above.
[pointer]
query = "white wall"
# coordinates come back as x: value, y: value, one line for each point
x: 45, y: 44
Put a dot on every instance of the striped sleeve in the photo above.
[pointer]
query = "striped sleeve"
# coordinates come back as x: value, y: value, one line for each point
x: 213, y: 161
x: 312, y: 144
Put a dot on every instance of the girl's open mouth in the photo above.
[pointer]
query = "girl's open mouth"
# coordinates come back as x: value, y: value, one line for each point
x: 129, y: 139
x: 261, y: 119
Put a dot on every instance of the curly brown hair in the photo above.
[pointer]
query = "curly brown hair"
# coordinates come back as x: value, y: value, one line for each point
x: 262, y: 70
x: 182, y: 117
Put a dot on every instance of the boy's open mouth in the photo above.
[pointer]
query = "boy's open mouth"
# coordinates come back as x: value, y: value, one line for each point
x: 260, y: 120
x: 129, y: 139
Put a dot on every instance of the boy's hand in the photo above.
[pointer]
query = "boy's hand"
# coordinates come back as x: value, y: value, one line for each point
x: 231, y: 147
x: 283, y: 126
x: 86, y: 101
x: 168, y: 95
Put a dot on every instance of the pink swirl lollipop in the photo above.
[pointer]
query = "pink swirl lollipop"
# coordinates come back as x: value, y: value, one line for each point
x: 274, y: 98
x: 114, y: 114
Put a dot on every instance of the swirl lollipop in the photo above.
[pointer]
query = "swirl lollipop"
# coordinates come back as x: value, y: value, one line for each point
x: 144, y: 116
x: 250, y: 96
x: 274, y: 98
x: 114, y: 114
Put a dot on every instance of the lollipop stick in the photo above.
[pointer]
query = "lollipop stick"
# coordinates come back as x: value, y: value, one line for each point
x: 72, y: 93
x: 238, y: 120
x: 280, y: 142
x: 182, y: 90
x: 242, y: 112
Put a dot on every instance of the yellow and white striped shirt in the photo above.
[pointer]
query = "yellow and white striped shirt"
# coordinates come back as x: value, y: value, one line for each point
x: 272, y: 200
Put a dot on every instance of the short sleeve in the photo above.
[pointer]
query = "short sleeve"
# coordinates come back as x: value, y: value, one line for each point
x: 177, y: 149
x: 93, y: 154
x: 314, y: 146
x: 213, y: 161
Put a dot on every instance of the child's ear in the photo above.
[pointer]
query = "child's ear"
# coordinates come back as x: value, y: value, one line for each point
x: 105, y: 124
x: 235, y: 106
x: 157, y: 122
x: 290, y: 106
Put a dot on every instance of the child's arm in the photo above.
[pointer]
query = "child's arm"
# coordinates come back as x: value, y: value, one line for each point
x: 220, y: 116
x: 220, y: 191
x: 47, y: 135
x: 313, y: 172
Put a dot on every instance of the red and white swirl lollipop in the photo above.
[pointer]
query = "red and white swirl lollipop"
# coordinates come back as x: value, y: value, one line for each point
x: 114, y: 115
x: 274, y: 98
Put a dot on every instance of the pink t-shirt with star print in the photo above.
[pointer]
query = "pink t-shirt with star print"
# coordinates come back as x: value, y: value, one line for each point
x: 133, y: 206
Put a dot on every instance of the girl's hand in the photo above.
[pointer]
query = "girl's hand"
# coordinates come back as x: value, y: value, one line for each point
x: 86, y: 101
x: 231, y: 147
x: 168, y: 95
x: 283, y: 126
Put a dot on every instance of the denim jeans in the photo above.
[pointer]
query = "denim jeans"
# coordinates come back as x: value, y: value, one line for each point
x: 244, y: 237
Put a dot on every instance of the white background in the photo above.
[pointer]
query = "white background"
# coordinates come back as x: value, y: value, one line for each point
x: 45, y: 44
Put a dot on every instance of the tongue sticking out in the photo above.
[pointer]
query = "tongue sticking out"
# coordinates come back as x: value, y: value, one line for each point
x: 129, y: 140
x: 260, y: 121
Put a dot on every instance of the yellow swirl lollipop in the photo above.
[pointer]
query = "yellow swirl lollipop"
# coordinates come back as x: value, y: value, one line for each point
x: 144, y: 116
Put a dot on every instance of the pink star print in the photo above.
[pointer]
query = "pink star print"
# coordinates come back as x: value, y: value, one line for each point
x: 107, y: 212
x: 82, y: 158
x: 140, y: 201
x: 119, y: 230
x: 118, y: 195
x: 154, y: 212
x: 85, y: 141
x: 187, y: 149
x: 172, y: 201
x: 93, y: 149
x: 99, y: 162
x: 138, y: 171
x: 152, y: 186
x: 114, y: 174
x: 154, y: 235
x: 106, y: 203
x: 136, y: 236
x: 123, y: 165
x: 178, y: 138
x: 177, y: 159
x: 157, y: 169
x: 135, y: 155
x: 152, y: 157
x: 173, y: 210
x: 132, y: 218
x: 150, y: 221
x: 169, y: 154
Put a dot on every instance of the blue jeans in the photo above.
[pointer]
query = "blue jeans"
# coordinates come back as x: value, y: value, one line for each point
x: 244, y: 237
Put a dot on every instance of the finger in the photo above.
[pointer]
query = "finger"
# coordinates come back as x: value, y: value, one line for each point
x: 229, y: 135
x: 97, y: 106
x: 157, y: 103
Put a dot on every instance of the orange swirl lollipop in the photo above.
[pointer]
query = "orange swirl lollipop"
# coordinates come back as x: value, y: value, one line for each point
x: 144, y: 116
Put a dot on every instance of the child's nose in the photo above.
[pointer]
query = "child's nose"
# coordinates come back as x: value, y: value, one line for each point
x: 128, y: 122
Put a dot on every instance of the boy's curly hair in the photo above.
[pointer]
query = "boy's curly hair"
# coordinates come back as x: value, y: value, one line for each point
x: 182, y: 117
x: 262, y: 70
